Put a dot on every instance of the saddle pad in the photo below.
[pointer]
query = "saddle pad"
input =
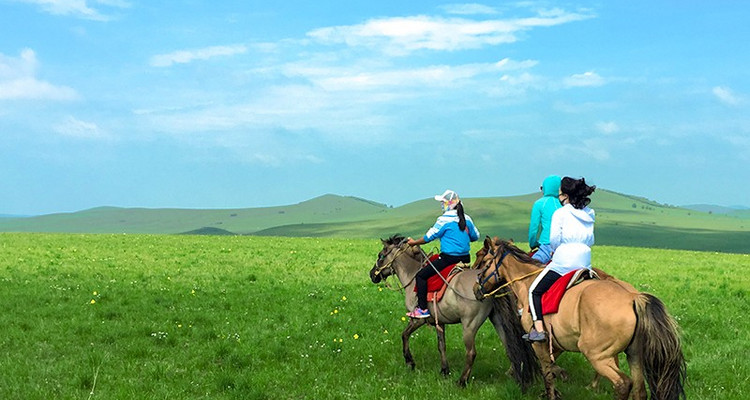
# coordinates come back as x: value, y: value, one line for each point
x: 438, y: 295
x: 435, y: 282
x: 551, y: 298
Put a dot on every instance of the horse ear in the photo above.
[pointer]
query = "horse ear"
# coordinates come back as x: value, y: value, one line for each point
x: 487, y: 242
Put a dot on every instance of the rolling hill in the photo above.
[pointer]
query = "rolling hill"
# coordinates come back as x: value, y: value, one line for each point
x: 621, y: 220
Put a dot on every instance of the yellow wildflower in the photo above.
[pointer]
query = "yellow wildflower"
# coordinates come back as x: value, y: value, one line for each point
x: 93, y: 301
x: 356, y: 336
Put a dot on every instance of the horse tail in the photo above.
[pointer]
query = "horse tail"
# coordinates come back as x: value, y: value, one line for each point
x: 525, y: 367
x: 657, y: 344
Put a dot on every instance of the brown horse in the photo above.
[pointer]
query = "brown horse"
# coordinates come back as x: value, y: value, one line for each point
x: 480, y: 262
x: 457, y: 306
x: 600, y: 319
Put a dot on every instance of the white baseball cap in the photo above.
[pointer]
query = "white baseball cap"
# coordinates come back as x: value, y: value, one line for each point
x: 447, y: 196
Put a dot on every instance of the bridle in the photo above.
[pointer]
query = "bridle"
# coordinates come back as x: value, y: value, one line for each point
x: 401, y: 249
x: 496, y: 274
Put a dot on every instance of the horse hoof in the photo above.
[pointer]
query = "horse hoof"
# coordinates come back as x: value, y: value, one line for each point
x: 445, y: 372
x: 461, y: 383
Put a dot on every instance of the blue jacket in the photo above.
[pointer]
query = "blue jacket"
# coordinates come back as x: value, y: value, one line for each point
x: 541, y: 212
x: 453, y: 241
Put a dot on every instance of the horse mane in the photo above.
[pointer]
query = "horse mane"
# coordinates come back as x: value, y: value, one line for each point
x: 393, y: 240
x: 520, y: 255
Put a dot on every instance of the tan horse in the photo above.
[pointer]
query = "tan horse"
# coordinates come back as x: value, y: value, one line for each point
x: 480, y: 261
x: 457, y: 306
x: 600, y: 319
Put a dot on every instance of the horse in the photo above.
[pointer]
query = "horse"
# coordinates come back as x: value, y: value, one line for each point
x: 600, y: 319
x: 457, y: 306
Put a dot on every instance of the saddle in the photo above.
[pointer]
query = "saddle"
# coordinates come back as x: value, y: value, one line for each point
x: 552, y: 297
x: 436, y: 284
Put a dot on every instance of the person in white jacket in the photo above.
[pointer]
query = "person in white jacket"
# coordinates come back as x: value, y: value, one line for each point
x: 571, y: 238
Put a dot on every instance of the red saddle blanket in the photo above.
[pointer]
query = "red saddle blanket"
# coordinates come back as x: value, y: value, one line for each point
x: 552, y: 297
x: 436, y: 282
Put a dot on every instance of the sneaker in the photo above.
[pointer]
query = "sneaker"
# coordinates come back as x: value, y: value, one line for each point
x: 419, y: 313
x: 535, y: 336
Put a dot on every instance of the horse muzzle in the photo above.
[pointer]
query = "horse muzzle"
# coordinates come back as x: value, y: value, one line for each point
x: 375, y: 276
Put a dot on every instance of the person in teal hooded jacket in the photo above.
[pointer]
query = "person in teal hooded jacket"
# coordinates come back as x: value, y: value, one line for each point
x: 541, y: 218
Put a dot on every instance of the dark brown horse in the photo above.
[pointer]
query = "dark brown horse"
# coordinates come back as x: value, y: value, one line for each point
x: 600, y: 319
x: 458, y: 305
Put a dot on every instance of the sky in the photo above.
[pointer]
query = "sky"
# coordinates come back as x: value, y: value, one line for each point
x: 205, y: 104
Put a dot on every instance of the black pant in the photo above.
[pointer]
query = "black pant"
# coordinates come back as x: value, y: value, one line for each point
x: 426, y: 272
x: 538, y: 288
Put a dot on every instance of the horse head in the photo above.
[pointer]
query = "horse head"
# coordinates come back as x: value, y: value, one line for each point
x: 484, y: 260
x: 392, y: 248
x: 496, y: 269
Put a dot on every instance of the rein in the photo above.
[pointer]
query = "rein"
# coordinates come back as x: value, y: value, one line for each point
x: 505, y: 285
x: 400, y: 251
x: 444, y: 280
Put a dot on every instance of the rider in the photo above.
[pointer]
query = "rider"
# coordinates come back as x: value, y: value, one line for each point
x: 541, y: 217
x: 455, y: 230
x: 571, y: 238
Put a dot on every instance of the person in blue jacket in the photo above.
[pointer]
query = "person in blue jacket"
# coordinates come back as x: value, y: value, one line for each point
x: 456, y: 230
x: 541, y: 217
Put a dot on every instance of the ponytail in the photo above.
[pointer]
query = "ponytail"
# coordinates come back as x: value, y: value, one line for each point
x: 461, y: 216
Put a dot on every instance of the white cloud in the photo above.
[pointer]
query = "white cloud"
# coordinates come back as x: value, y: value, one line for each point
x: 585, y: 79
x: 18, y: 81
x: 468, y: 9
x: 431, y: 76
x: 78, y: 8
x: 607, y: 128
x: 726, y: 96
x: 402, y: 35
x: 186, y: 56
x: 73, y: 127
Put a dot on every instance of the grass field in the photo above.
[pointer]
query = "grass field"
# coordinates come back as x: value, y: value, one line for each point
x: 196, y: 317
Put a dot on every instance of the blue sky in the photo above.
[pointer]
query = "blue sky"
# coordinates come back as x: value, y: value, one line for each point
x: 200, y: 104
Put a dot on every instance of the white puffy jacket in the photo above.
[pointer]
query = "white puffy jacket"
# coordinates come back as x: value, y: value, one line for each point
x: 571, y: 237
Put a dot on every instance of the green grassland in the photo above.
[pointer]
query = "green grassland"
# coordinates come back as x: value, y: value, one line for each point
x: 115, y: 316
x: 622, y: 220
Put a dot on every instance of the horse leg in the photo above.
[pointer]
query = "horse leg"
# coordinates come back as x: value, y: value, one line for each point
x: 444, y: 369
x: 558, y: 371
x: 636, y: 374
x: 594, y: 385
x: 548, y: 369
x: 413, y: 325
x: 469, y: 335
x: 608, y: 368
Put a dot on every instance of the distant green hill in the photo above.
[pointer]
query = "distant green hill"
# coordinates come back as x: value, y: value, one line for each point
x: 327, y: 208
x: 621, y: 220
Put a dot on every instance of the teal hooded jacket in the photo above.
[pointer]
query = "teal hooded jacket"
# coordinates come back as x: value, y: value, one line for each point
x: 541, y: 213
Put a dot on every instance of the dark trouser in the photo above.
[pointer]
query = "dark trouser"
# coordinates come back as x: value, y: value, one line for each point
x: 541, y: 284
x: 425, y: 273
